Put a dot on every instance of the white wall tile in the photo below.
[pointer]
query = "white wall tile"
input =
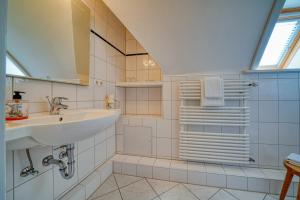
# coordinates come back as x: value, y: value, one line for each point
x: 289, y: 111
x: 85, y: 163
x: 216, y: 180
x: 258, y: 185
x: 254, y: 111
x: 64, y: 90
x: 137, y: 140
x: 100, y: 48
x: 36, y: 91
x: 288, y: 134
x: 100, y: 137
x: 142, y: 107
x: 142, y: 94
x: 237, y: 182
x: 164, y: 128
x: 288, y: 89
x: 164, y: 148
x: 253, y: 130
x: 85, y: 93
x: 77, y: 193
x: 100, y: 153
x: 91, y: 183
x: 154, y: 94
x: 154, y: 107
x: 268, y: 155
x: 268, y: 111
x: 161, y: 173
x: 38, y: 188
x: 61, y: 185
x: 131, y: 94
x: 131, y: 46
x: 20, y: 161
x: 131, y: 107
x: 111, y: 147
x: 167, y: 91
x: 100, y: 69
x: 268, y: 89
x: 268, y: 133
x: 85, y: 144
x: 167, y: 109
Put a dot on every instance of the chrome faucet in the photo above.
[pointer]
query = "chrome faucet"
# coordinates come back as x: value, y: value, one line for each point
x: 56, y: 104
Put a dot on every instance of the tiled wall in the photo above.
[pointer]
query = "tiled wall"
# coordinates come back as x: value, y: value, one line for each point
x: 141, y: 101
x: 140, y: 67
x: 274, y: 127
x: 106, y: 67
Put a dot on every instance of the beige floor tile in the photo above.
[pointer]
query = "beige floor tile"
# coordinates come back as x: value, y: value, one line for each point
x: 108, y: 186
x: 115, y: 195
x: 140, y: 190
x: 244, y: 195
x: 161, y: 186
x: 124, y: 180
x: 222, y: 195
x: 276, y: 197
x: 179, y: 192
x: 202, y: 192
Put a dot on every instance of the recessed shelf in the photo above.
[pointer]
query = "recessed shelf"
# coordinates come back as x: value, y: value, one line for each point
x: 140, y: 84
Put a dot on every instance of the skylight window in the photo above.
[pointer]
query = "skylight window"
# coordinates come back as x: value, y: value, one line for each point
x: 279, y: 43
x: 12, y: 68
x: 279, y: 46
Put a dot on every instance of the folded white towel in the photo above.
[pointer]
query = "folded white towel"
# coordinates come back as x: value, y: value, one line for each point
x: 213, y: 87
x: 212, y: 92
x: 294, y: 159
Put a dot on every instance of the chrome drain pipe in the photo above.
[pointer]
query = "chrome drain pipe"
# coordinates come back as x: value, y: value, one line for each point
x: 66, y: 170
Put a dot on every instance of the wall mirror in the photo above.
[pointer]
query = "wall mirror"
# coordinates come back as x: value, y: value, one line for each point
x: 279, y: 48
x: 49, y: 40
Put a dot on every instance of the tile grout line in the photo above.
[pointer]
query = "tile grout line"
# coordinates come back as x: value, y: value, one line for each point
x: 189, y: 191
x: 157, y: 195
x: 118, y: 186
x: 214, y: 194
x: 230, y: 194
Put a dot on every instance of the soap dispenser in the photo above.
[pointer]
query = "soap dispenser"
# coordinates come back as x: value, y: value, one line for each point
x: 16, y: 109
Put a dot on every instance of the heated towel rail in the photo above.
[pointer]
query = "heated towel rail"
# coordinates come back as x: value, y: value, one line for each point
x: 214, y: 134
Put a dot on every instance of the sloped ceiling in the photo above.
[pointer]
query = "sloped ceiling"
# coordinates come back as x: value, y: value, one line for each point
x: 187, y: 36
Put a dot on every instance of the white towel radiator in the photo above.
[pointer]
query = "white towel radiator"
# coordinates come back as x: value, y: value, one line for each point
x: 198, y: 139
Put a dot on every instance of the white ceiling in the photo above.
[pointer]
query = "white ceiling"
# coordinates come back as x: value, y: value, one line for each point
x: 186, y: 36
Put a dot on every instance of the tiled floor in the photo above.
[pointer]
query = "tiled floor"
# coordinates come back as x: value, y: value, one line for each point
x: 123, y: 187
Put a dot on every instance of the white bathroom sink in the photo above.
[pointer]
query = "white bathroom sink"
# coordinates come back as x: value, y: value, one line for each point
x: 66, y: 128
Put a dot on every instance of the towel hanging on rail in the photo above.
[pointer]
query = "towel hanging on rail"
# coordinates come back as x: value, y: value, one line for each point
x: 212, y: 92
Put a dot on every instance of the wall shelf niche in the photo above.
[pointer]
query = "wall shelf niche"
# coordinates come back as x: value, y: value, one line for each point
x: 138, y: 84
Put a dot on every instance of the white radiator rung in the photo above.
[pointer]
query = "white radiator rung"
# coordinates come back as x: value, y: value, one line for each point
x: 220, y: 159
x: 188, y: 147
x: 233, y: 89
x: 238, y: 156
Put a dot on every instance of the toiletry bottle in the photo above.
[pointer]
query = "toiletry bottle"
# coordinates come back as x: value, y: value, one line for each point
x: 16, y: 109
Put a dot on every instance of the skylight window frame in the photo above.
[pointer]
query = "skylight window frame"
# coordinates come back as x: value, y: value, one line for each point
x: 268, y: 29
x: 283, y: 64
x: 285, y: 53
